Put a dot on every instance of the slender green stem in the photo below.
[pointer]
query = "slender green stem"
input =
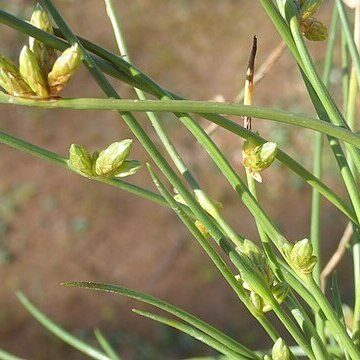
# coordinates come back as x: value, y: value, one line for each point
x: 295, y: 42
x: 354, y: 51
x: 293, y: 329
x: 295, y: 307
x: 4, y: 355
x: 345, y: 71
x: 325, y: 109
x: 317, y: 170
x: 237, y: 287
x: 185, y: 106
x: 60, y: 332
x: 186, y: 329
x: 104, y: 343
x: 356, y: 260
x: 351, y: 110
x: 338, y: 304
x: 338, y: 329
x: 340, y: 158
x: 317, y: 344
x: 328, y: 104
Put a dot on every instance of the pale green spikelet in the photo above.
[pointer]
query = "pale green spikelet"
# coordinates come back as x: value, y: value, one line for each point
x: 11, y: 80
x: 45, y: 55
x: 63, y: 69
x: 280, y: 350
x: 300, y: 256
x: 110, y: 160
x: 313, y: 29
x: 257, y: 158
x: 41, y: 20
x: 258, y: 258
x: 80, y: 160
x: 31, y: 72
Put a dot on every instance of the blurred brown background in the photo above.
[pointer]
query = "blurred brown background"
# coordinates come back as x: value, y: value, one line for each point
x: 56, y: 226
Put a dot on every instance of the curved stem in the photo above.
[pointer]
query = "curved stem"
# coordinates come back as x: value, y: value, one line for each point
x: 185, y: 106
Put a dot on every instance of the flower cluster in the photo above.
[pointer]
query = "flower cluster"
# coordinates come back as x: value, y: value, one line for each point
x: 300, y: 256
x: 257, y: 158
x: 311, y: 27
x: 280, y: 351
x: 279, y: 289
x: 41, y: 74
x: 110, y: 162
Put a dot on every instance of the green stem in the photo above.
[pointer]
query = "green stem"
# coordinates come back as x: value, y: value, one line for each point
x: 351, y: 110
x: 4, y: 355
x: 328, y: 104
x: 336, y: 326
x: 60, y: 332
x: 106, y: 346
x: 228, y: 275
x: 185, y: 106
x: 330, y: 112
x: 295, y: 43
x: 317, y: 171
x: 186, y: 329
x: 345, y: 71
x: 353, y: 49
x: 296, y: 309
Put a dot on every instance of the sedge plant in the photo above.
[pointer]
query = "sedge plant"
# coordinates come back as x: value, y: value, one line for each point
x: 280, y: 275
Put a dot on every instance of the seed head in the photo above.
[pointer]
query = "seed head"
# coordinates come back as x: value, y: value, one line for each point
x: 45, y: 55
x: 11, y: 80
x: 31, y: 72
x: 300, y: 256
x: 257, y: 158
x: 313, y: 29
x: 109, y: 161
x: 80, y: 160
x: 63, y: 69
x: 280, y: 350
